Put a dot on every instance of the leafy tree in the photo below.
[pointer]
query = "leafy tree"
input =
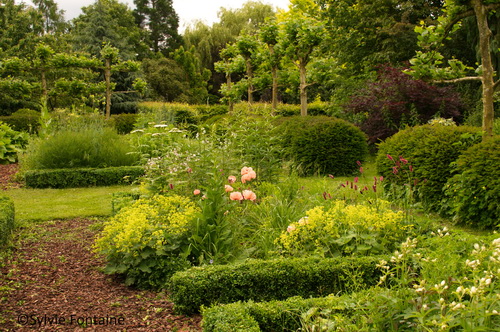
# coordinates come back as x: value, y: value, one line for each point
x: 107, y: 22
x: 430, y: 63
x: 161, y: 22
x: 166, y: 78
x: 396, y: 100
x: 301, y: 35
x: 53, y: 17
x: 232, y: 63
x: 269, y: 35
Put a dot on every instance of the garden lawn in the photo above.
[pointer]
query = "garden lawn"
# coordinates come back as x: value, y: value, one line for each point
x: 48, y: 204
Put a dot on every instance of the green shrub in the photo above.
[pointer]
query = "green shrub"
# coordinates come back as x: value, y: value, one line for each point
x: 323, y: 145
x: 124, y: 123
x: 345, y: 229
x: 264, y: 280
x: 79, y: 148
x: 121, y: 200
x: 82, y: 177
x: 147, y: 242
x: 286, y: 315
x: 23, y: 120
x: 6, y: 219
x: 11, y: 144
x: 474, y: 191
x: 429, y: 149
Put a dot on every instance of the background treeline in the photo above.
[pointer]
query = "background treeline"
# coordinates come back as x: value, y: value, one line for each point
x: 341, y: 52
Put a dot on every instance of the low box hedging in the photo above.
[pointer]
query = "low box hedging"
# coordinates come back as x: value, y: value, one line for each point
x: 6, y: 218
x: 267, y: 316
x: 265, y: 280
x: 82, y: 177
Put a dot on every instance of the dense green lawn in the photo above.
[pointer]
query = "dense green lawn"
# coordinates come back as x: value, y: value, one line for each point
x: 47, y: 204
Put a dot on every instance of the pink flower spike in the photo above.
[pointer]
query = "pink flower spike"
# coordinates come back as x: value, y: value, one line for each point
x: 228, y: 188
x: 355, y: 187
x: 356, y: 179
x: 358, y: 162
x: 374, y: 180
x: 331, y: 176
x: 395, y: 170
x: 171, y: 186
x: 196, y: 192
x: 236, y: 196
x: 381, y: 179
x: 374, y: 188
x: 249, y: 195
x: 390, y: 157
x: 361, y: 170
x: 403, y: 160
x: 411, y: 168
x: 231, y: 179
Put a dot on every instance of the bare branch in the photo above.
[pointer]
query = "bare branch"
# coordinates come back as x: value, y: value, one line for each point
x: 495, y: 86
x: 461, y: 79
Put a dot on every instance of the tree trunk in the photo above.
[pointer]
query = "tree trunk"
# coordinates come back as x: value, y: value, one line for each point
x: 274, y: 72
x: 303, y: 85
x: 487, y: 66
x: 44, y: 83
x: 107, y: 76
x: 250, y: 78
x: 230, y: 99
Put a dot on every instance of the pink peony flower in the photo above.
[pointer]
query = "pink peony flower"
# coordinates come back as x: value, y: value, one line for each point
x: 231, y: 179
x: 196, y: 192
x: 252, y: 174
x: 245, y: 178
x: 249, y: 195
x: 245, y: 170
x: 228, y: 188
x: 236, y: 196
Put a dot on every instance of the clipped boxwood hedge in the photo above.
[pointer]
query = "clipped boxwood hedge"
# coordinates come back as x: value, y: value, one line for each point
x: 265, y: 280
x: 6, y: 218
x: 474, y: 191
x: 82, y: 177
x: 431, y: 151
x: 323, y: 145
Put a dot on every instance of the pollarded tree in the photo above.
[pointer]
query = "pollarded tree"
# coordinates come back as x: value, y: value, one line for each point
x: 430, y: 64
x: 269, y: 35
x: 301, y: 34
x: 161, y: 22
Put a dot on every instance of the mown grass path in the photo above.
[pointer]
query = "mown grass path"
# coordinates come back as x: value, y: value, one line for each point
x: 53, y: 281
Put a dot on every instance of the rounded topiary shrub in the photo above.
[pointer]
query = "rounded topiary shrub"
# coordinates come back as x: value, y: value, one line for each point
x: 323, y: 145
x: 474, y: 191
x: 421, y: 157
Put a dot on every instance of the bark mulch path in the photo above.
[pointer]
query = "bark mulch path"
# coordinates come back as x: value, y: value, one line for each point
x: 7, y: 179
x: 52, y: 281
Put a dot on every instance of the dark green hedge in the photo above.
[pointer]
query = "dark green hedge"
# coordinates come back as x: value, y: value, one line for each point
x: 431, y: 150
x: 323, y: 145
x: 6, y: 218
x: 265, y: 280
x: 82, y: 177
x: 473, y: 193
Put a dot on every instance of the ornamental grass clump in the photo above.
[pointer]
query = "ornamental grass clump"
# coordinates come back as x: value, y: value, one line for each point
x: 344, y: 229
x: 148, y: 241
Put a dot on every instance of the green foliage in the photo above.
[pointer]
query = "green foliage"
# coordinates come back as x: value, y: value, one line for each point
x: 82, y: 177
x: 322, y: 145
x: 430, y: 150
x: 473, y: 193
x: 147, y: 241
x: 23, y: 120
x: 6, y: 219
x: 343, y: 229
x: 12, y: 143
x: 124, y: 123
x: 79, y: 148
x: 264, y: 280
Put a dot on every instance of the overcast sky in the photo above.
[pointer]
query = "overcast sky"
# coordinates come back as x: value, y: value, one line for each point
x: 188, y: 10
